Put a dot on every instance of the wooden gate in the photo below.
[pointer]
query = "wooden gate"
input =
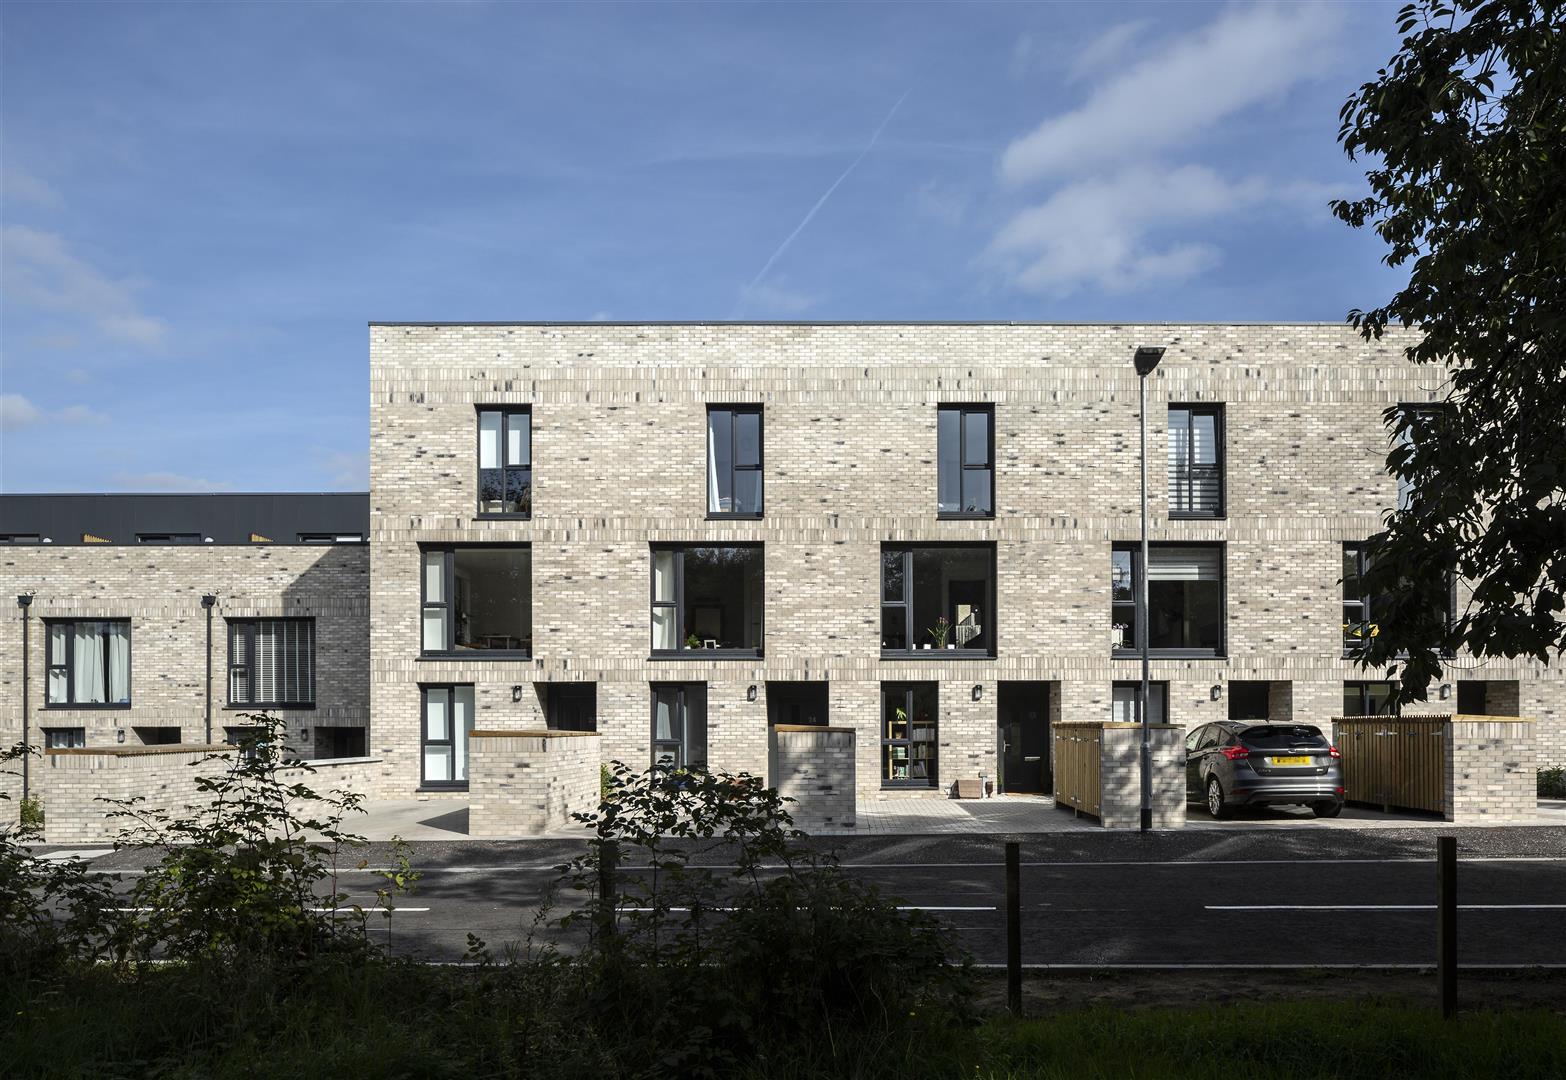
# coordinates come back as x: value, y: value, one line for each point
x: 1078, y: 748
x: 1394, y: 761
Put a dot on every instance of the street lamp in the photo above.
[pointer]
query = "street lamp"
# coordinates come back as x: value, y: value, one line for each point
x: 1145, y: 360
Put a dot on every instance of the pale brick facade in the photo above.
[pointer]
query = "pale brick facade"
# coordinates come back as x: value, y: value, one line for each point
x: 619, y: 462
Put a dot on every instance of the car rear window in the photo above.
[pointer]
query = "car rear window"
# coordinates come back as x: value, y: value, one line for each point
x: 1282, y: 735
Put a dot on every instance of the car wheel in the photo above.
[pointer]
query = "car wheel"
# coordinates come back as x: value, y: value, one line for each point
x: 1326, y: 808
x: 1215, y: 802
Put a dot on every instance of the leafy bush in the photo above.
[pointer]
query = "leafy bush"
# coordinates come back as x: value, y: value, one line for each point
x: 32, y: 815
x: 1552, y: 783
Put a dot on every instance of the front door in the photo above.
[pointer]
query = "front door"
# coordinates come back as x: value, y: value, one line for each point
x: 1023, y: 712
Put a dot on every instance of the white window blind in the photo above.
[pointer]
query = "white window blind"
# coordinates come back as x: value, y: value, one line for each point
x: 1185, y: 564
x: 489, y: 440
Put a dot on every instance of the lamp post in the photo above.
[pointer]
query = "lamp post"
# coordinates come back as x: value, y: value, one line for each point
x: 1146, y: 359
x: 206, y: 603
x: 25, y: 602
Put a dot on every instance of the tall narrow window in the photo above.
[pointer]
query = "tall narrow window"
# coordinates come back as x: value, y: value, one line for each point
x: 707, y: 598
x: 734, y: 461
x: 1418, y: 423
x: 271, y: 663
x: 679, y: 725
x: 446, y: 721
x: 965, y: 451
x: 938, y: 600
x: 505, y: 451
x: 478, y: 601
x: 1123, y: 703
x: 1185, y: 596
x: 1196, y: 461
x: 909, y: 725
x: 1357, y: 606
x: 88, y: 662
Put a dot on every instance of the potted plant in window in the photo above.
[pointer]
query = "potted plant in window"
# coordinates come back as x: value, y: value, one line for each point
x: 939, y: 631
x: 1117, y: 635
x: 692, y: 641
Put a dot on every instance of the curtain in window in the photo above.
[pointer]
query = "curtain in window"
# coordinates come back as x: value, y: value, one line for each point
x: 59, y: 675
x: 665, y: 632
x: 119, y: 663
x: 719, y: 438
x: 461, y: 724
x: 489, y: 440
x: 87, y: 661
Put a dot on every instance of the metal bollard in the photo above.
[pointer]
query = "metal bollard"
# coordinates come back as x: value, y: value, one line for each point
x: 1014, y: 928
x: 1446, y: 923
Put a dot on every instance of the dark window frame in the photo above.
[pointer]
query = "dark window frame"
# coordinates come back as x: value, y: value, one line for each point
x: 449, y: 591
x: 248, y: 662
x: 331, y: 538
x: 685, y: 696
x: 1220, y: 436
x: 1154, y: 688
x: 760, y: 468
x: 75, y: 738
x: 169, y: 538
x: 908, y: 689
x: 963, y: 411
x: 1367, y: 602
x: 68, y: 665
x: 558, y: 694
x: 450, y: 690
x: 907, y: 603
x: 677, y: 605
x: 506, y: 413
x: 1132, y: 648
x: 21, y: 538
x: 1362, y: 687
x: 1412, y: 414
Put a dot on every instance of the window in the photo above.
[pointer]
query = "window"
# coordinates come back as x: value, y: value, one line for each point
x: 1123, y: 710
x: 909, y: 724
x: 1370, y: 699
x: 168, y: 538
x: 734, y: 461
x: 64, y: 738
x: 965, y: 455
x: 20, y: 538
x: 89, y: 662
x: 340, y: 742
x: 1249, y: 699
x: 157, y: 735
x: 1185, y: 597
x: 271, y: 662
x: 797, y: 703
x: 446, y: 720
x: 707, y: 598
x: 679, y: 725
x: 505, y: 453
x: 1362, y: 611
x: 1196, y: 461
x: 329, y: 538
x: 571, y: 706
x: 478, y: 601
x: 1417, y: 422
x: 938, y: 599
x: 250, y: 738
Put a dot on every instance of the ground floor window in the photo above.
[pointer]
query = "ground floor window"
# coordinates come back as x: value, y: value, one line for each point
x: 1369, y: 699
x: 340, y: 742
x: 679, y: 725
x: 797, y: 703
x: 64, y: 738
x: 446, y: 720
x: 909, y: 724
x: 571, y: 706
x: 1249, y: 699
x: 1123, y: 708
x: 157, y: 736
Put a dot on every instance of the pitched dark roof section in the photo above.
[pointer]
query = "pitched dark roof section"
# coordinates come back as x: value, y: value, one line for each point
x: 228, y: 518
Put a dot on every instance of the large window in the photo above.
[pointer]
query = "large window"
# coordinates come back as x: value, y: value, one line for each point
x: 1370, y: 699
x: 734, y: 461
x: 271, y: 662
x: 1185, y: 599
x: 938, y: 599
x: 505, y: 452
x: 679, y: 725
x: 478, y: 601
x: 707, y: 599
x: 89, y: 662
x: 1123, y: 699
x: 909, y: 725
x: 965, y: 455
x: 445, y: 722
x: 1363, y: 611
x: 1195, y: 461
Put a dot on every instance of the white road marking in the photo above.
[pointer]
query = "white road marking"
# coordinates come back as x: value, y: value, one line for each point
x: 346, y: 909
x: 61, y: 856
x: 1381, y: 907
x: 928, y: 907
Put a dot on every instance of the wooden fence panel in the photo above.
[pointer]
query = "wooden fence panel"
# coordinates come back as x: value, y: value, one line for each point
x: 1078, y: 778
x: 1394, y: 761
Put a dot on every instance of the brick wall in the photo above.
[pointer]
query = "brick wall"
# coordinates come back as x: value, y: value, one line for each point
x: 1120, y: 776
x: 815, y: 767
x: 1491, y: 771
x: 527, y: 783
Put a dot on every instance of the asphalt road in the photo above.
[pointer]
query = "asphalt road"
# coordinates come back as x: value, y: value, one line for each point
x: 1279, y: 898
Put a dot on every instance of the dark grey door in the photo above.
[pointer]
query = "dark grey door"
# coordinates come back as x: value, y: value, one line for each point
x: 1023, y: 712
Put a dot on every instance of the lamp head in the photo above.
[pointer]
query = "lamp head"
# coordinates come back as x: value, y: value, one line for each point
x: 1147, y: 358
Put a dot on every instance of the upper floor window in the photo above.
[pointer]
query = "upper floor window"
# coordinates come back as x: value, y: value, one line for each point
x: 505, y: 452
x: 707, y: 598
x: 20, y: 538
x: 965, y: 455
x: 938, y: 598
x: 1196, y: 461
x: 477, y: 600
x: 271, y: 662
x: 1362, y: 610
x: 330, y: 538
x: 1185, y: 597
x: 89, y: 662
x: 168, y: 538
x: 1415, y: 422
x: 734, y: 461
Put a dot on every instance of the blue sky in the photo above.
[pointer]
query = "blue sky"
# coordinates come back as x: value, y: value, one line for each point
x: 204, y: 204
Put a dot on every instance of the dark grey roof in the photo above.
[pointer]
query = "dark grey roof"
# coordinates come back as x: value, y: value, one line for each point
x: 228, y: 518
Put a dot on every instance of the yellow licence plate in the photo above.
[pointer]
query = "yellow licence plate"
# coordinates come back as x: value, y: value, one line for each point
x: 1291, y: 761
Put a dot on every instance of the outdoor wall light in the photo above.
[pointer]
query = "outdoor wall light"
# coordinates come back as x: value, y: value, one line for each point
x: 750, y: 695
x: 516, y: 692
x: 1217, y: 691
x: 119, y: 735
x: 978, y: 691
x: 1446, y: 691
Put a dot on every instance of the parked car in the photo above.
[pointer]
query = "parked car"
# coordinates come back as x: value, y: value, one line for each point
x: 1244, y: 763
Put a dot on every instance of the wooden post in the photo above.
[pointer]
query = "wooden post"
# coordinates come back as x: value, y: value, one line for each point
x: 1446, y: 923
x: 1014, y: 928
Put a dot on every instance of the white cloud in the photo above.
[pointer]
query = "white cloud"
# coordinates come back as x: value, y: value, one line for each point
x: 167, y: 481
x: 1108, y: 232
x: 1107, y: 49
x: 17, y: 411
x: 17, y: 186
x: 1247, y: 55
x: 347, y: 469
x: 41, y: 270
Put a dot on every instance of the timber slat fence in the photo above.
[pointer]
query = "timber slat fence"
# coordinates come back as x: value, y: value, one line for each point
x: 1078, y: 778
x: 1394, y: 761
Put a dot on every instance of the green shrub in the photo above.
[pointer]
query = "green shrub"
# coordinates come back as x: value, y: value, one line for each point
x: 32, y: 814
x: 1552, y: 783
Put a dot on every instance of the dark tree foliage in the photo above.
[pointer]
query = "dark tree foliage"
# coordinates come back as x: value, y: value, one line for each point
x: 1468, y: 125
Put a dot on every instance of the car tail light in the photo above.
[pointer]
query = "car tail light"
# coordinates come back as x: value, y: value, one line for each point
x: 1235, y: 753
x: 1338, y: 790
x: 1333, y: 750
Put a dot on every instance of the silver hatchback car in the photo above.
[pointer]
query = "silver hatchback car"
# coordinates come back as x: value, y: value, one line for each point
x: 1242, y: 763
